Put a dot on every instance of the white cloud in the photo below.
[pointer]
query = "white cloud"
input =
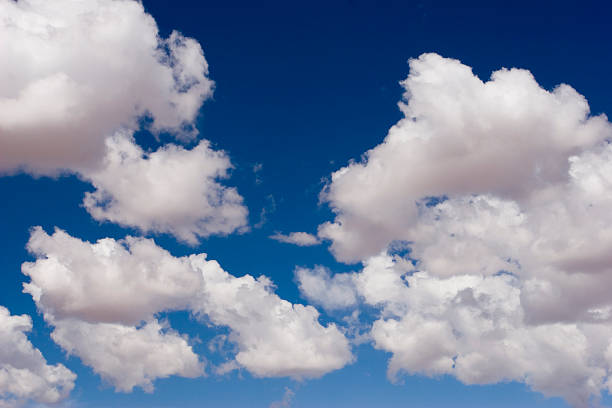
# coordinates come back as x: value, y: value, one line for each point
x: 24, y: 372
x: 502, y: 193
x: 171, y: 190
x: 74, y: 72
x: 297, y: 238
x: 318, y: 286
x: 129, y: 356
x: 506, y: 136
x: 274, y: 337
x: 98, y: 282
x: 86, y: 291
x: 78, y: 76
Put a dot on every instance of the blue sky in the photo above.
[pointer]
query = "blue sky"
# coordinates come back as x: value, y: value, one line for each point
x: 300, y: 91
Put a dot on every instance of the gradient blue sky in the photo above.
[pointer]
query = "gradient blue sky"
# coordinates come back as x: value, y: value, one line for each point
x: 301, y: 89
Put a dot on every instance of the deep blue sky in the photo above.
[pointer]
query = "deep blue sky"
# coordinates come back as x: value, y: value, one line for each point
x: 301, y: 88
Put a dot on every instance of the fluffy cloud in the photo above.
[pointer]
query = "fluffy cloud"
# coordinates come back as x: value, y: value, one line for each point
x: 86, y: 291
x: 297, y: 238
x: 129, y: 356
x: 172, y: 190
x: 501, y: 193
x: 506, y: 136
x: 76, y: 71
x: 98, y: 282
x: 24, y: 372
x: 274, y: 337
x: 318, y: 286
x: 104, y: 67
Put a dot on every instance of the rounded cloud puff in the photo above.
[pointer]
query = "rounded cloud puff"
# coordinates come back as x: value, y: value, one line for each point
x: 76, y: 71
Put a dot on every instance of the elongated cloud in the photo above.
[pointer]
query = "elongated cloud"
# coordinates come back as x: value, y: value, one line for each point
x: 76, y: 71
x: 172, y: 190
x: 24, y: 372
x: 86, y: 292
x: 297, y: 238
x: 500, y: 194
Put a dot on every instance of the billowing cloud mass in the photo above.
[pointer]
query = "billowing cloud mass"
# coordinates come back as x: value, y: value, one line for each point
x: 75, y: 71
x: 24, y: 372
x: 86, y: 292
x: 171, y: 190
x: 500, y: 194
x: 460, y: 135
x: 78, y: 78
x: 297, y: 238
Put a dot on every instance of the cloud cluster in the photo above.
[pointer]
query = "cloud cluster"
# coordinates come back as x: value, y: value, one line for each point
x: 172, y: 190
x: 297, y: 238
x: 24, y: 372
x: 79, y: 78
x: 76, y: 71
x: 86, y: 292
x: 460, y: 136
x: 500, y: 193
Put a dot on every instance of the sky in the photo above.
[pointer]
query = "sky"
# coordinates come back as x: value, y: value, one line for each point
x: 307, y: 204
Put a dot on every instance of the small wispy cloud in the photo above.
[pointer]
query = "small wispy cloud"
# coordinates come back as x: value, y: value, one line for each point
x: 287, y: 400
x: 297, y: 238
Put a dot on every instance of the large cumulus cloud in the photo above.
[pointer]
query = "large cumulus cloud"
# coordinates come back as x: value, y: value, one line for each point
x: 76, y: 71
x: 500, y: 194
x: 460, y: 135
x: 86, y: 291
x: 77, y: 79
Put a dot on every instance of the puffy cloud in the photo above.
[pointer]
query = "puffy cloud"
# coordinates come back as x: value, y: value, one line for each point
x: 129, y: 356
x: 297, y: 238
x: 24, y: 372
x: 460, y: 135
x: 103, y: 65
x: 172, y: 190
x: 501, y: 193
x: 318, y: 286
x: 274, y: 337
x: 98, y: 282
x: 86, y: 291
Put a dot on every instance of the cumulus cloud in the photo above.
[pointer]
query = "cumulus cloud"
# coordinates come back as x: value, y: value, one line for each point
x: 24, y: 372
x: 332, y: 292
x: 104, y: 66
x: 460, y: 135
x: 74, y: 72
x: 274, y: 337
x: 171, y: 190
x: 86, y: 292
x: 500, y: 192
x: 297, y: 238
x: 129, y: 356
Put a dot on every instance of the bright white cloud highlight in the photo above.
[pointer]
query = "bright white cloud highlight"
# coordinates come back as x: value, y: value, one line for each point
x: 297, y: 238
x: 86, y: 291
x: 172, y: 190
x: 502, y: 193
x: 24, y: 372
x: 74, y: 72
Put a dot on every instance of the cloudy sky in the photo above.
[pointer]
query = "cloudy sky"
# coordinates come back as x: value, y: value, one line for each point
x: 346, y: 204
